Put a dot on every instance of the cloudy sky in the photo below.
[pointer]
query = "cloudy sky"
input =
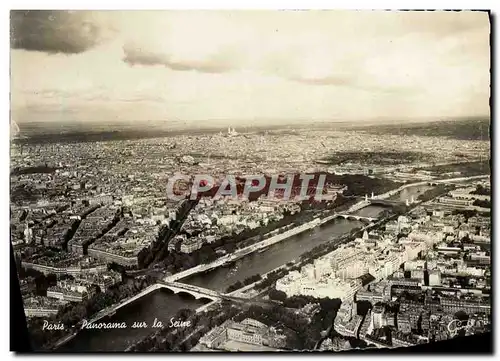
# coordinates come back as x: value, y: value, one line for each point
x: 247, y: 66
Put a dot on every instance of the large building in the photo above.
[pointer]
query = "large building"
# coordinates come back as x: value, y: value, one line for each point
x: 127, y: 259
x: 469, y: 306
x: 455, y: 201
x: 305, y: 284
x: 248, y: 331
x: 191, y: 244
x: 434, y: 277
x: 377, y: 319
x: 56, y: 269
x: 39, y: 306
x: 40, y: 312
x: 372, y: 297
x: 67, y: 294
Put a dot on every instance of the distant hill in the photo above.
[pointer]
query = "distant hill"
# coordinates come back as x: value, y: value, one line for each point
x: 465, y: 129
x: 38, y: 132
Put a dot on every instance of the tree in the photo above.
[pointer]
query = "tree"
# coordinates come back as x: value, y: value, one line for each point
x: 354, y: 231
x: 274, y: 294
x: 483, y: 204
x: 363, y: 307
x: 234, y: 287
x: 467, y: 213
x: 328, y: 304
x: 461, y: 315
x: 480, y: 190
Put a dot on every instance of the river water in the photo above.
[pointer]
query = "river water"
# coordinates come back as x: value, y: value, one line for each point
x: 163, y: 305
x: 409, y: 192
x: 160, y: 304
x: 276, y: 255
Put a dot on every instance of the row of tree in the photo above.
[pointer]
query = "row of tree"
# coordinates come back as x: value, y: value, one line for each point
x: 480, y: 190
x: 302, y: 330
x: 159, y: 249
x: 182, y: 339
x: 432, y: 193
x: 481, y: 203
x: 238, y: 284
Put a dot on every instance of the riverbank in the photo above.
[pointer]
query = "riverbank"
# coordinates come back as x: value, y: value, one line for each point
x: 243, y: 252
x: 341, y: 239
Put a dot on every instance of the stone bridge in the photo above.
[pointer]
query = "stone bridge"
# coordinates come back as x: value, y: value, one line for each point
x: 178, y: 288
x: 195, y: 291
x: 214, y: 296
x: 386, y: 202
x: 358, y: 218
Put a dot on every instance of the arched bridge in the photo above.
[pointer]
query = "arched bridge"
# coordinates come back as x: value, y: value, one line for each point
x: 195, y: 291
x: 386, y: 202
x: 358, y: 218
x: 177, y: 288
x: 200, y: 292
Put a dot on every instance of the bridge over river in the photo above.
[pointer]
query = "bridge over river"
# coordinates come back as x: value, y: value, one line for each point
x: 199, y: 293
x: 349, y: 217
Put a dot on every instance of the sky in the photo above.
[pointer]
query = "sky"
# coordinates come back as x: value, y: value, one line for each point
x: 247, y: 67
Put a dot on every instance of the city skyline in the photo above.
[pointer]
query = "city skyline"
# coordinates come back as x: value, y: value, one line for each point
x: 239, y: 181
x: 247, y: 67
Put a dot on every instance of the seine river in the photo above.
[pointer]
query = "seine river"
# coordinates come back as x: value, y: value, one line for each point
x: 409, y: 192
x: 162, y: 305
x: 159, y: 304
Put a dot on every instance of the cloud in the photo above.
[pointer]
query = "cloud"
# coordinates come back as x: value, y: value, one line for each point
x: 354, y: 84
x: 219, y: 62
x: 267, y: 64
x: 68, y: 32
x: 327, y: 80
x: 445, y: 23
